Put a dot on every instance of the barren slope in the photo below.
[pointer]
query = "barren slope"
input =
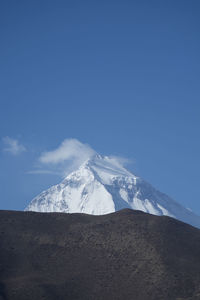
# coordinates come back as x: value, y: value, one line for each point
x: 125, y: 255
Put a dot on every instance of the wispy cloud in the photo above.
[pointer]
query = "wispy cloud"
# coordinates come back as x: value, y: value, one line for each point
x: 70, y: 149
x: 120, y: 161
x: 40, y: 171
x: 12, y: 146
x: 67, y: 157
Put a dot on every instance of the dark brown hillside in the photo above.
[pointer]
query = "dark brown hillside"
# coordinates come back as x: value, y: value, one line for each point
x: 125, y: 255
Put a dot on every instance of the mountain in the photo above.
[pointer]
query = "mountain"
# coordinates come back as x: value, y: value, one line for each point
x: 100, y: 186
x: 124, y: 255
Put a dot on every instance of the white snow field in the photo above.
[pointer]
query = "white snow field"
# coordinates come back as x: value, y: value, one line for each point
x: 100, y: 186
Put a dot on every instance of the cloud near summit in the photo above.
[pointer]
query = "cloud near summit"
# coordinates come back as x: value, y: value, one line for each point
x: 71, y: 151
x: 67, y: 157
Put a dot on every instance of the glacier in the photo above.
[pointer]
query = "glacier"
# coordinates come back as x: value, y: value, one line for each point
x: 101, y: 185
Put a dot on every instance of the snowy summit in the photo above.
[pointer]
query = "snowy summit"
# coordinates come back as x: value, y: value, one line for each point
x: 101, y: 185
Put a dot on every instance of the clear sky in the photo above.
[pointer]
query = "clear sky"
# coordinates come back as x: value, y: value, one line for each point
x: 121, y: 76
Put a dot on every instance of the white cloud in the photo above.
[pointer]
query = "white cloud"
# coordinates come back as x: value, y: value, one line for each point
x: 12, y: 146
x: 120, y: 161
x: 68, y: 156
x: 70, y: 149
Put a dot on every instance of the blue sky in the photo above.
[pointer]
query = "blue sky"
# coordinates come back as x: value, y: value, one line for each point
x: 120, y: 76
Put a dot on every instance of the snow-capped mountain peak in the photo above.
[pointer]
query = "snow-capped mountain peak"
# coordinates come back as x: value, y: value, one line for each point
x: 105, y: 168
x: 102, y: 185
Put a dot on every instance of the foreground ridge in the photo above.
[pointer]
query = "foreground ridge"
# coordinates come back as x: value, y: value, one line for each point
x: 123, y: 255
